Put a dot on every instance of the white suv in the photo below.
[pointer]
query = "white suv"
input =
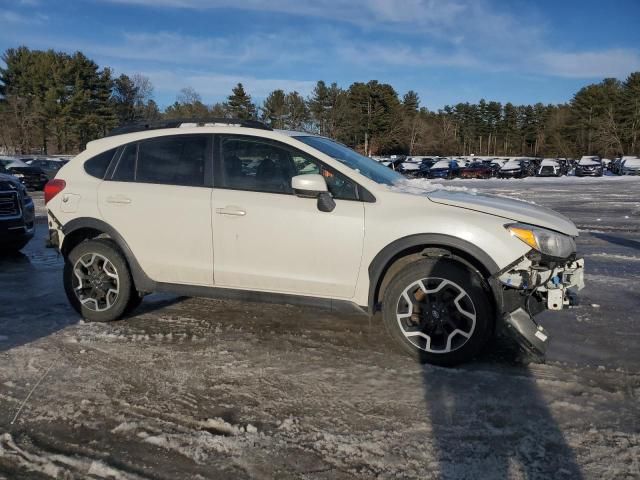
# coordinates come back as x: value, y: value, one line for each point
x: 234, y: 209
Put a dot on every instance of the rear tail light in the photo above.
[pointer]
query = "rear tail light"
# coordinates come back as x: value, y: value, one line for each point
x: 52, y: 188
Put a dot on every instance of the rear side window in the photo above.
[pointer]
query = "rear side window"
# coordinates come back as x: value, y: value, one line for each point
x: 166, y: 160
x: 173, y: 161
x: 97, y: 166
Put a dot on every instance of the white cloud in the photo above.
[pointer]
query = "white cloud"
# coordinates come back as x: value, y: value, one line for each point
x: 607, y: 63
x: 360, y: 12
x: 218, y: 87
x: 10, y: 16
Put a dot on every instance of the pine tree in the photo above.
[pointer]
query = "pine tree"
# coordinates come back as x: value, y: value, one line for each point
x: 239, y: 104
x: 274, y: 109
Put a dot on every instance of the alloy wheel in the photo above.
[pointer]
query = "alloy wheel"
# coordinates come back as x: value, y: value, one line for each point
x: 96, y: 282
x: 436, y: 315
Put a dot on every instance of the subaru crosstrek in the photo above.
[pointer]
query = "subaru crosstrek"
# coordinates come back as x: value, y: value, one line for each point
x: 234, y: 209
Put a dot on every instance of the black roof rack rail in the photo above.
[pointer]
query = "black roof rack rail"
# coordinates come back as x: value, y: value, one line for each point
x: 177, y: 122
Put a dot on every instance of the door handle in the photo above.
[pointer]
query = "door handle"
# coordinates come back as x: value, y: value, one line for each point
x: 228, y: 210
x: 119, y: 199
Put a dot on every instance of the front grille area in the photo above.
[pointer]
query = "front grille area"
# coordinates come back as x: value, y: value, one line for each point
x: 9, y: 205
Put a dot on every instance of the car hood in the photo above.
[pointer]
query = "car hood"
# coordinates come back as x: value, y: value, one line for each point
x: 10, y: 180
x: 511, y: 209
x: 589, y: 163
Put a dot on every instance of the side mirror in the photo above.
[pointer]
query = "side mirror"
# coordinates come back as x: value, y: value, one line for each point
x: 309, y: 186
x: 314, y: 185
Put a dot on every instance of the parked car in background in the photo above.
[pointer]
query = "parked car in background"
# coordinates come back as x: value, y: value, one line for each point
x: 631, y: 166
x: 395, y: 163
x: 514, y: 168
x: 565, y: 165
x: 589, y: 166
x: 530, y: 164
x: 549, y: 167
x: 617, y: 164
x: 476, y: 170
x: 17, y: 214
x: 425, y: 166
x: 409, y: 169
x: 444, y: 169
x: 49, y: 166
x: 32, y: 178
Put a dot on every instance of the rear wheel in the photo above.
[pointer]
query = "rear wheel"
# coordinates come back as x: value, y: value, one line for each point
x: 97, y: 281
x: 438, y: 311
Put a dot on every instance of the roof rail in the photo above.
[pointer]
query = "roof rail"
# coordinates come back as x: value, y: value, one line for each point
x: 186, y: 122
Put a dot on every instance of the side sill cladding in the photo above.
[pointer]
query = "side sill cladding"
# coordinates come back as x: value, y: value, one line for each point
x: 391, y: 252
x: 142, y: 282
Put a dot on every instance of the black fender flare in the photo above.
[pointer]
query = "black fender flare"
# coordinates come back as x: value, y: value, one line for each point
x: 380, y: 263
x: 141, y: 280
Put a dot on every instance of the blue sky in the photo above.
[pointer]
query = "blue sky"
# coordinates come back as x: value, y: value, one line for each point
x: 449, y: 51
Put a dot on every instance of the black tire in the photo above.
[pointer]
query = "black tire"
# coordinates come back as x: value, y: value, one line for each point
x: 109, y: 250
x: 477, y: 293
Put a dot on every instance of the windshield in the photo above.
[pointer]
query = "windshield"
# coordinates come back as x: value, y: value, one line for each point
x: 441, y: 164
x: 364, y: 165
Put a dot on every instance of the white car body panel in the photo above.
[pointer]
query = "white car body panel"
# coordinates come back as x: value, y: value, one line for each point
x: 167, y: 227
x: 506, y: 208
x: 283, y: 243
x: 396, y: 215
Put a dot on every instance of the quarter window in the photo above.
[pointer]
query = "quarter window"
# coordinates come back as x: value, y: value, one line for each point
x: 126, y: 167
x: 97, y: 166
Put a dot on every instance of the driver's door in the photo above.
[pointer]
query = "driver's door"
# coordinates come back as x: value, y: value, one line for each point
x: 268, y: 239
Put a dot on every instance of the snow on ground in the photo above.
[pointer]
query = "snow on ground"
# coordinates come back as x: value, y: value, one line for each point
x: 200, y: 388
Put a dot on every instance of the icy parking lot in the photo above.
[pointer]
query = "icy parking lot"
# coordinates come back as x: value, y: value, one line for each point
x: 199, y: 388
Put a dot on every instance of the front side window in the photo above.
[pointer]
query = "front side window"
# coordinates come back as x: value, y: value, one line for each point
x: 166, y: 160
x: 265, y: 166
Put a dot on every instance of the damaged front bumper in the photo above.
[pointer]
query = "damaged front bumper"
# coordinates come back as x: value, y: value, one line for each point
x: 534, y: 284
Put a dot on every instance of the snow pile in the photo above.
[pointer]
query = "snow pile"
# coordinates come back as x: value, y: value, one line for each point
x: 422, y: 186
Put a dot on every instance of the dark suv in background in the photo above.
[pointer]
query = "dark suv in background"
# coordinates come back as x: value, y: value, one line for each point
x: 17, y: 214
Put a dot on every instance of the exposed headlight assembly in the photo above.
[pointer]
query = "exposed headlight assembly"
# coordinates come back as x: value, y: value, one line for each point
x: 544, y: 241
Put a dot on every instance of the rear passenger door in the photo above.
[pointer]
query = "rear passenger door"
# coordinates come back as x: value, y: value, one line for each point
x: 157, y: 195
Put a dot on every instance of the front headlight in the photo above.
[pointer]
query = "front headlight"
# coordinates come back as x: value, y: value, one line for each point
x: 18, y: 175
x: 545, y: 241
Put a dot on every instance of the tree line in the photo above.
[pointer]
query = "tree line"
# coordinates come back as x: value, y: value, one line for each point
x: 54, y: 102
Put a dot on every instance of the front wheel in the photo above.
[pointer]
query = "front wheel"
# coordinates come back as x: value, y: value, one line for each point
x: 438, y: 311
x: 97, y: 281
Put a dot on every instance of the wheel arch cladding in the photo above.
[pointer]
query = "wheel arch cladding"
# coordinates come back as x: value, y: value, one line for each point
x: 417, y: 246
x: 84, y: 228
